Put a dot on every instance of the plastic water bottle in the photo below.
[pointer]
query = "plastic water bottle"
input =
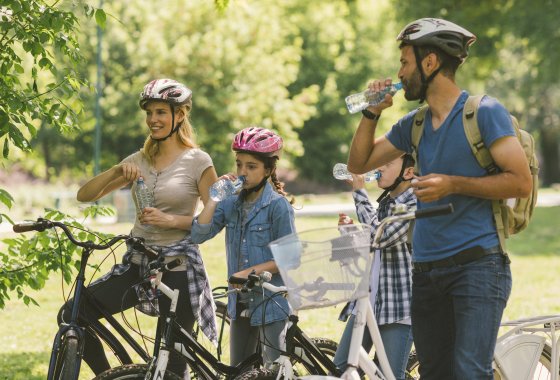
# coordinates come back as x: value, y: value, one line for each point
x: 223, y: 188
x: 340, y: 171
x: 144, y: 196
x: 362, y: 100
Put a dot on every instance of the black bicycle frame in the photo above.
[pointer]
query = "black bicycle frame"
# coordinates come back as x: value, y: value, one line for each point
x: 100, y: 330
x: 194, y: 352
x: 312, y: 355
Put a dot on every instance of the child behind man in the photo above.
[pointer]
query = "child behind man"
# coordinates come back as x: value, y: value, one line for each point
x: 390, y: 281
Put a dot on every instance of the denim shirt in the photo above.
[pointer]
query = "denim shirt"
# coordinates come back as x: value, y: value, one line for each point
x: 271, y: 218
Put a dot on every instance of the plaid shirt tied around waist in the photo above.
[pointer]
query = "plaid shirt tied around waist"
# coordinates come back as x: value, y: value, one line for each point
x: 200, y: 292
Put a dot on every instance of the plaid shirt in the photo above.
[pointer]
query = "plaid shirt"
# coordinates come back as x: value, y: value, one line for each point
x: 395, y: 275
x: 200, y: 292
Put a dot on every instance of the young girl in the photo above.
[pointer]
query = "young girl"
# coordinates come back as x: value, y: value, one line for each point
x: 391, y: 279
x: 258, y: 215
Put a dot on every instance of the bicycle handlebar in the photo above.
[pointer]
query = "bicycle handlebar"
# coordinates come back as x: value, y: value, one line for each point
x: 434, y: 211
x: 42, y: 224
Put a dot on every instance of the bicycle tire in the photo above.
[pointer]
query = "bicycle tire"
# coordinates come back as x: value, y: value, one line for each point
x: 67, y: 358
x: 300, y: 367
x: 326, y: 346
x: 543, y: 370
x: 131, y: 372
x: 258, y: 374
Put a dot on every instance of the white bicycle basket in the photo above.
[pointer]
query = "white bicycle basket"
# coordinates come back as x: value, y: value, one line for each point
x: 325, y: 266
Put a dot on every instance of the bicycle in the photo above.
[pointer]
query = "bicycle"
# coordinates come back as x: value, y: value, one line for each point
x: 68, y: 344
x: 67, y: 349
x: 200, y: 361
x: 303, y: 355
x: 527, y: 351
x: 341, y: 255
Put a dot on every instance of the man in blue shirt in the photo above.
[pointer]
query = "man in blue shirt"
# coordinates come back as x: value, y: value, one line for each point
x: 461, y: 277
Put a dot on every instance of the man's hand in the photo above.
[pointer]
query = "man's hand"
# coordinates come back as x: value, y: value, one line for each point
x: 432, y: 187
x: 377, y: 86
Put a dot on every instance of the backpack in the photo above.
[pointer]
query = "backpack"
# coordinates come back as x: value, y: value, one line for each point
x: 510, y: 215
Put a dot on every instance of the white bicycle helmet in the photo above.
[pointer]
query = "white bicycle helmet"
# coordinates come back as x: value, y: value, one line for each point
x: 449, y: 37
x: 166, y: 90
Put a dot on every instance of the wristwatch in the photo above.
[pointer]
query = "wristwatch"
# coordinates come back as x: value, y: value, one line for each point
x: 370, y: 115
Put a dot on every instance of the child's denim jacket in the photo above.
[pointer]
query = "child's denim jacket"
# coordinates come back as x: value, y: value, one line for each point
x: 271, y: 218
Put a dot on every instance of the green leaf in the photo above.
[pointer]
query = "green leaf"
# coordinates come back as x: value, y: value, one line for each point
x: 6, y: 149
x: 100, y: 18
x: 6, y: 198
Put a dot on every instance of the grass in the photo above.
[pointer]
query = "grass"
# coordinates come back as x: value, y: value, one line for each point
x: 27, y: 331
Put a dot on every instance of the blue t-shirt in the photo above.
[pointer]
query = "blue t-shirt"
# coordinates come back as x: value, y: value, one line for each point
x: 447, y: 151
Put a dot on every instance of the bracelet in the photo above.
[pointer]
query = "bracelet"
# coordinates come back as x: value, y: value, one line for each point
x: 370, y: 115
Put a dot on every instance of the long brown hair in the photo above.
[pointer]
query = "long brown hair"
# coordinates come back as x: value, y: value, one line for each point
x: 270, y: 163
x: 185, y: 133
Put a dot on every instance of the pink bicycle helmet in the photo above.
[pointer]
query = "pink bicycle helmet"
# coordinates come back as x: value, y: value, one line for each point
x: 166, y: 90
x: 449, y: 37
x: 257, y: 140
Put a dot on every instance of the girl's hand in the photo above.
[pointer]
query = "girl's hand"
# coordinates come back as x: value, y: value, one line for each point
x: 242, y: 274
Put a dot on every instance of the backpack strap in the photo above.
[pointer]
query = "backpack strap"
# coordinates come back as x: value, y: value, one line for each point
x: 416, y: 133
x: 472, y: 131
x: 484, y: 158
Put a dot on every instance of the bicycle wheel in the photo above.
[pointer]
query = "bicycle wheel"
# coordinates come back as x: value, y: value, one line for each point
x: 544, y: 367
x: 300, y: 362
x: 67, y: 363
x: 221, y: 352
x: 259, y: 373
x: 542, y: 372
x: 131, y: 372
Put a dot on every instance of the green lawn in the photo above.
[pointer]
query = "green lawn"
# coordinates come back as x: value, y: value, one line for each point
x: 27, y: 332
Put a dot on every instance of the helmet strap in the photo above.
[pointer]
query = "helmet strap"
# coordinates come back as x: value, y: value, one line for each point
x: 246, y: 192
x: 425, y: 81
x: 397, y: 182
x: 174, y: 129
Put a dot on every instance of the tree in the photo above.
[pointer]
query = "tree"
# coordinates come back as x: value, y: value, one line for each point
x: 38, y: 57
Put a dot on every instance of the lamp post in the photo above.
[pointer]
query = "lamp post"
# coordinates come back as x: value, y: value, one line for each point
x: 97, y: 142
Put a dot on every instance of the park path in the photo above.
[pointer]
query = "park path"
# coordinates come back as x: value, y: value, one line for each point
x: 544, y: 200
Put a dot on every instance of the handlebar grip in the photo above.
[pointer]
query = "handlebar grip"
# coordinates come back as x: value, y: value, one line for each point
x: 237, y: 280
x: 174, y: 264
x: 39, y: 225
x: 139, y: 245
x: 434, y: 211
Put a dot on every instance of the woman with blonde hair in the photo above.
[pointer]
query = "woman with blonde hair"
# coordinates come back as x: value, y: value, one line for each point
x: 179, y: 174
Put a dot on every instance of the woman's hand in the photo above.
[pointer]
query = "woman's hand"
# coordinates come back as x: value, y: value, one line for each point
x: 155, y: 217
x: 129, y: 171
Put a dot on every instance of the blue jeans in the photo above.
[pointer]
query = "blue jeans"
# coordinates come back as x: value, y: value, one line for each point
x: 456, y: 313
x: 397, y: 340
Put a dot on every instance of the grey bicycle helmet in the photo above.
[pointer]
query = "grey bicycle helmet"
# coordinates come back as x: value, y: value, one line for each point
x: 449, y: 37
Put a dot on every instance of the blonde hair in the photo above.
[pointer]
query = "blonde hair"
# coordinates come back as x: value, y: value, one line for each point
x: 185, y: 134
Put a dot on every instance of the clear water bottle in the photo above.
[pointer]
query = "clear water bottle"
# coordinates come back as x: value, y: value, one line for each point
x: 340, y: 172
x: 223, y: 188
x: 362, y: 100
x: 144, y: 197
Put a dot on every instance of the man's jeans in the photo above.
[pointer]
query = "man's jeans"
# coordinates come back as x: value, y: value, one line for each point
x: 397, y: 340
x: 456, y: 313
